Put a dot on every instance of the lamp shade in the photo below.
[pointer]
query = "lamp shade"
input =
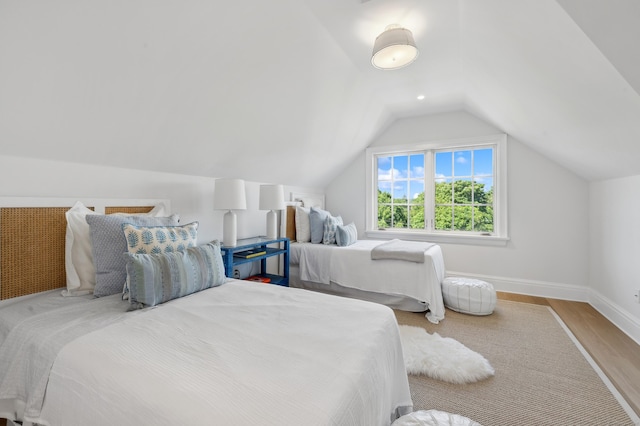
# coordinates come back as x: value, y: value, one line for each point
x: 271, y: 197
x: 229, y: 194
x: 394, y: 48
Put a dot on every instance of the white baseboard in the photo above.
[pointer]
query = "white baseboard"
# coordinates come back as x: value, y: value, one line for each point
x: 614, y: 313
x: 618, y: 316
x: 531, y: 287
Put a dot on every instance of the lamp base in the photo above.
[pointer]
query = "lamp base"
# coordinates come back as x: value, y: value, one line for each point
x: 272, y: 224
x: 230, y: 231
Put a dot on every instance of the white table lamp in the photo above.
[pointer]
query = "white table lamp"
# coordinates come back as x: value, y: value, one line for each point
x: 272, y: 198
x: 229, y: 195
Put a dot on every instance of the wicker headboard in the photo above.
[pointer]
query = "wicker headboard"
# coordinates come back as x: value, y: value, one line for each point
x: 31, y: 250
x: 290, y: 223
x: 32, y: 241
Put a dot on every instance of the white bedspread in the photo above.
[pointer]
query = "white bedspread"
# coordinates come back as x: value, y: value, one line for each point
x: 242, y: 354
x: 353, y: 267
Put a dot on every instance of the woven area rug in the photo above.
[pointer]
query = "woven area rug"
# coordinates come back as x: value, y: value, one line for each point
x: 541, y: 377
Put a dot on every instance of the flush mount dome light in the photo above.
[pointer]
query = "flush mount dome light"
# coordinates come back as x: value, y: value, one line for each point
x: 394, y: 48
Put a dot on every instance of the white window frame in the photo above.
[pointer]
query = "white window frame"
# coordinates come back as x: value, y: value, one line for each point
x: 499, y: 237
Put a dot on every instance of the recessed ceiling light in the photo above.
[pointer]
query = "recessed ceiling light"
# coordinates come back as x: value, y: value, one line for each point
x: 420, y: 97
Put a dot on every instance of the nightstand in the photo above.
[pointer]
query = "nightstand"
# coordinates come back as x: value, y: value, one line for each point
x: 258, y: 249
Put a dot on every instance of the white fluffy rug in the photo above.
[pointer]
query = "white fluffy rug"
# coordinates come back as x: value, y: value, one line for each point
x: 441, y: 358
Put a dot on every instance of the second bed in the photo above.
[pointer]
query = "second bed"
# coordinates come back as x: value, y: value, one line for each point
x: 350, y: 271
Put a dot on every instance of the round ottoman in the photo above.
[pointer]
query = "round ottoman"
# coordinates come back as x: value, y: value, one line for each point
x: 433, y: 418
x: 468, y: 295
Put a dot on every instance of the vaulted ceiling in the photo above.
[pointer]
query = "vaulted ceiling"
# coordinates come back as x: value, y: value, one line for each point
x: 283, y: 91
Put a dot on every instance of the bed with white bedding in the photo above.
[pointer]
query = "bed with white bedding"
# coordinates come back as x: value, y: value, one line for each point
x: 241, y: 353
x: 235, y: 353
x: 351, y: 271
x: 326, y: 256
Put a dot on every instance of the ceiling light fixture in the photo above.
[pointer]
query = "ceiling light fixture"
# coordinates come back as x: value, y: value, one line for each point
x: 394, y: 48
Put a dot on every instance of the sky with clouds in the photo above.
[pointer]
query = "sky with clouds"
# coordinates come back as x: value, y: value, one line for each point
x: 406, y: 172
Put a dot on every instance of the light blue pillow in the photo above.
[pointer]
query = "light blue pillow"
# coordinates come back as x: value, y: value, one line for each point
x: 158, y: 278
x: 316, y: 223
x: 346, y: 235
x: 108, y: 244
x: 330, y: 226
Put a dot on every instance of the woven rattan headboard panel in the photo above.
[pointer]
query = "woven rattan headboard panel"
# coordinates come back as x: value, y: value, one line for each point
x: 31, y: 250
x: 290, y: 232
x: 32, y: 246
x: 130, y: 210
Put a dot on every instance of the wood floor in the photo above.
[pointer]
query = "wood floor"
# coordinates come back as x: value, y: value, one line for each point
x: 615, y: 353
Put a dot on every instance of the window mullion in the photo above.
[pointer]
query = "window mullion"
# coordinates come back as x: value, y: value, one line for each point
x: 429, y: 191
x: 473, y: 192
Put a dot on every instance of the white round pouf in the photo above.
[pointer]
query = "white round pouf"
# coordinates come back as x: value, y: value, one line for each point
x: 468, y: 295
x: 433, y: 418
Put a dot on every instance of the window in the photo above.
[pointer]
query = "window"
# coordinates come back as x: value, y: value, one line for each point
x: 401, y: 191
x: 464, y: 190
x: 441, y: 191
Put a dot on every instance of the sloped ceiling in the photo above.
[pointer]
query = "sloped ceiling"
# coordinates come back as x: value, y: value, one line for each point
x: 283, y: 91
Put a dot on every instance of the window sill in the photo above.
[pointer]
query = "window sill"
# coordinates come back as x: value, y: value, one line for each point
x: 477, y: 240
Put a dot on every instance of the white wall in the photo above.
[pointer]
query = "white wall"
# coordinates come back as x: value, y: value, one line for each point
x: 547, y: 254
x: 614, y: 268
x: 190, y: 196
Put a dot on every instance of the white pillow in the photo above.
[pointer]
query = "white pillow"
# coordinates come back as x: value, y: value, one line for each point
x: 78, y: 261
x: 78, y: 258
x: 303, y: 227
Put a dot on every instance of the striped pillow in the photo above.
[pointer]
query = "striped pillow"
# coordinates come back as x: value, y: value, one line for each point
x: 346, y: 235
x: 158, y: 278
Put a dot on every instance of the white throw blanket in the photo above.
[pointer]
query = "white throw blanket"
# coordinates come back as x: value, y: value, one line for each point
x: 242, y: 353
x: 15, y: 310
x: 411, y: 251
x: 29, y: 350
x: 315, y: 261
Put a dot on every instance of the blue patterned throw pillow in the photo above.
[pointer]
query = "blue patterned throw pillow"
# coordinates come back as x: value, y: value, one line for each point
x: 160, y: 239
x: 330, y: 226
x: 158, y: 278
x: 346, y: 235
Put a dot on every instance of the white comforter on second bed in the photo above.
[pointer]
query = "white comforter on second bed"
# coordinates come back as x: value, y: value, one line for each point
x: 353, y: 267
x: 243, y: 354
